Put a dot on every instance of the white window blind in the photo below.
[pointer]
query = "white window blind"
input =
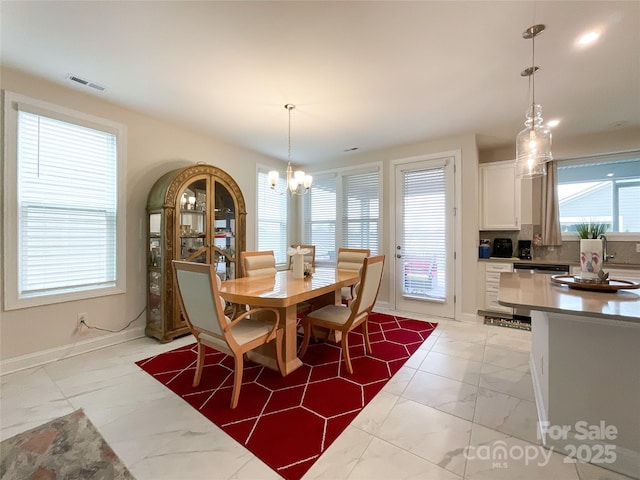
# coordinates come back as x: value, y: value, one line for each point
x: 65, y: 236
x: 424, y: 247
x: 272, y: 217
x: 361, y: 210
x: 342, y: 209
x: 320, y: 218
x: 67, y: 205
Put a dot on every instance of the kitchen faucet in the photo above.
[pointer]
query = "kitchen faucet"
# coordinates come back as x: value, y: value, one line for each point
x: 605, y: 255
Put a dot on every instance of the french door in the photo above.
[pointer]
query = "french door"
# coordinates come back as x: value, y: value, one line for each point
x: 425, y: 238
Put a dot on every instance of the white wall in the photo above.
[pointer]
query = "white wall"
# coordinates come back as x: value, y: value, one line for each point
x: 154, y: 147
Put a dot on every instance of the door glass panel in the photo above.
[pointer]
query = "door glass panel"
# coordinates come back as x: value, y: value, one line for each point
x: 423, y: 245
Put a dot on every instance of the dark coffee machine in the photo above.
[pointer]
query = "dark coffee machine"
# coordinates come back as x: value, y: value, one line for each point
x: 502, y: 248
x: 524, y: 249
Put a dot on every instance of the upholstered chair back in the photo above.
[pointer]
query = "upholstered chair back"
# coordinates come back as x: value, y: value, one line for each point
x: 366, y: 291
x: 198, y: 287
x: 351, y: 258
x: 258, y: 263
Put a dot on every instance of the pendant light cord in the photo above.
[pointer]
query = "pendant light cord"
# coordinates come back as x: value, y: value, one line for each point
x: 533, y: 70
x: 289, y: 153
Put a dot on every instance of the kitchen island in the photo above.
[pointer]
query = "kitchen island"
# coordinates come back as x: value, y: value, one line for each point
x: 585, y: 366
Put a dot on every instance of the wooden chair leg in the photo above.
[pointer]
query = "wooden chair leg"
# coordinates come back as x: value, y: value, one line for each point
x: 279, y: 360
x: 365, y: 331
x: 199, y: 364
x: 306, y: 325
x: 345, y: 351
x: 237, y: 380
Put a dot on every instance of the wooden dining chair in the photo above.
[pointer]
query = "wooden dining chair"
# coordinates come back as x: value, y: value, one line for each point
x: 198, y: 288
x: 346, y: 318
x: 308, y: 258
x: 257, y: 263
x: 350, y: 259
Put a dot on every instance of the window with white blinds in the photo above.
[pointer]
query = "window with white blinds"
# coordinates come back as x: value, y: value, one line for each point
x: 66, y: 231
x: 343, y: 210
x: 272, y: 217
x: 320, y: 218
x: 361, y: 210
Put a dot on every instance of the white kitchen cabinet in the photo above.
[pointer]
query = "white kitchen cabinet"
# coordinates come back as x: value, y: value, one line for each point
x: 492, y: 285
x: 499, y: 196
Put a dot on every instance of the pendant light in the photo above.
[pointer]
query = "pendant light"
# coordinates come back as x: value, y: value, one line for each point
x: 533, y: 144
x: 298, y: 183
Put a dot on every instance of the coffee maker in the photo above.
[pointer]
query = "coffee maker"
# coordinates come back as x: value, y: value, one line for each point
x: 524, y: 249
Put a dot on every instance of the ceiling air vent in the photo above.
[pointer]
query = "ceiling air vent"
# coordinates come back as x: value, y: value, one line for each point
x: 87, y: 83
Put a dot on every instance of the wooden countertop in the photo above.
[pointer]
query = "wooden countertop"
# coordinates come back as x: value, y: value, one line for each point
x: 536, y: 292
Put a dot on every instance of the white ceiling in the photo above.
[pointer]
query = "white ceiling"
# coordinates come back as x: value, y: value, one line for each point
x: 362, y: 74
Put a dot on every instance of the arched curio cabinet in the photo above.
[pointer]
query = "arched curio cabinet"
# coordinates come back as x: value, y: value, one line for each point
x: 196, y: 214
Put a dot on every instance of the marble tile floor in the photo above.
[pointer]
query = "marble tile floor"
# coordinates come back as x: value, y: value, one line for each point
x: 468, y: 386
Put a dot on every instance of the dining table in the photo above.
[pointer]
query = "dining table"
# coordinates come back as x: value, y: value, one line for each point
x: 283, y: 292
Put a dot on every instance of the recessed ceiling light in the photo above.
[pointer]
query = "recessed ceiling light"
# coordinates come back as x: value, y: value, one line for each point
x: 553, y: 123
x: 609, y: 174
x: 588, y: 38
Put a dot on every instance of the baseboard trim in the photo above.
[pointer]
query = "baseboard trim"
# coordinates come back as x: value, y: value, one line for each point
x: 36, y: 359
x: 385, y: 307
x: 468, y: 318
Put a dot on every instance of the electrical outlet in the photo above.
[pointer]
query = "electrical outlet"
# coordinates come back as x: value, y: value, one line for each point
x: 637, y: 247
x: 82, y: 318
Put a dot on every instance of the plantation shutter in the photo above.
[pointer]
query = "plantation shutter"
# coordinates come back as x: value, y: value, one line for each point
x: 67, y: 206
x: 361, y: 210
x: 272, y: 217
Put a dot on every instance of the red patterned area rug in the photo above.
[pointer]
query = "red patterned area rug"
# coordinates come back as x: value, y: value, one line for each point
x: 289, y: 422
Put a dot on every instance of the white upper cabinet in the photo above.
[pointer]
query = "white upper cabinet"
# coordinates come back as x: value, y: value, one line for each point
x: 499, y: 196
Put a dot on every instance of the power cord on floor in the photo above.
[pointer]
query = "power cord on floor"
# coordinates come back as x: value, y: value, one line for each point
x: 90, y: 327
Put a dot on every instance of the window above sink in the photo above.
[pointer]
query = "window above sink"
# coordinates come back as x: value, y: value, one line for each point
x: 601, y: 189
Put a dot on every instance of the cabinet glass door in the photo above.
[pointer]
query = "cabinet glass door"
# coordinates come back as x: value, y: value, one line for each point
x: 192, y: 226
x: 224, y: 228
x: 155, y: 270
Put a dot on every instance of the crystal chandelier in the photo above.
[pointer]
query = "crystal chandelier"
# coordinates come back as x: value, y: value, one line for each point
x: 298, y: 183
x: 533, y: 144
